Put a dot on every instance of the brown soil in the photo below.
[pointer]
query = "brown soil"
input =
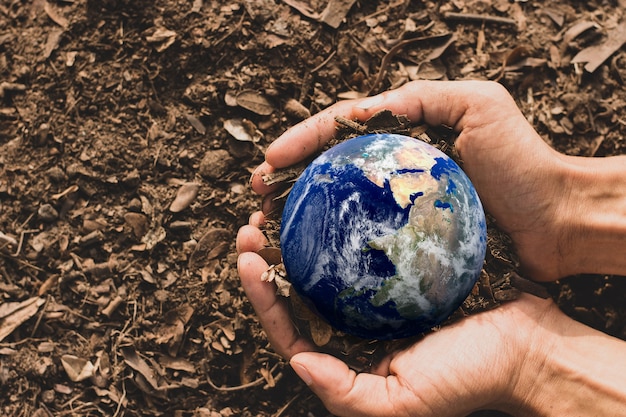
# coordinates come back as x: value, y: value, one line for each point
x: 128, y: 132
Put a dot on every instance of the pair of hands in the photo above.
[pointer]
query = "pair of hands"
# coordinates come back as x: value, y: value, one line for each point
x: 484, y: 361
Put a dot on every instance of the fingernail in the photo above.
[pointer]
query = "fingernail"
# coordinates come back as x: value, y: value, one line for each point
x: 254, y: 174
x: 370, y: 102
x: 302, y: 372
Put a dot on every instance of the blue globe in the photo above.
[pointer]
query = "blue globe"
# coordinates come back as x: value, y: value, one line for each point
x: 384, y: 236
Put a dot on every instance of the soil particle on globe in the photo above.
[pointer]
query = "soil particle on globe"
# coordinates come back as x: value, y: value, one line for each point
x: 499, y: 281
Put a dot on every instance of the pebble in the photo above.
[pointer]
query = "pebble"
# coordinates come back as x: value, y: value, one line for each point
x: 215, y: 164
x: 56, y: 174
x: 47, y: 213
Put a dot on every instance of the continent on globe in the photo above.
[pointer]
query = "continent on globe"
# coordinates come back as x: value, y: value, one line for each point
x: 384, y: 236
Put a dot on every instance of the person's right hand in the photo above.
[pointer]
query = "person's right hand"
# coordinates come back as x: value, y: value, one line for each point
x: 525, y: 357
x: 521, y: 180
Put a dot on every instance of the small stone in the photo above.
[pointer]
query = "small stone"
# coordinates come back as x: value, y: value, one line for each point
x: 215, y: 164
x: 56, y: 174
x: 47, y: 396
x: 47, y: 213
x: 134, y: 205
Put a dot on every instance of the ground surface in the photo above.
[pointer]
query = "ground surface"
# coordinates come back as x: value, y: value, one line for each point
x: 128, y: 132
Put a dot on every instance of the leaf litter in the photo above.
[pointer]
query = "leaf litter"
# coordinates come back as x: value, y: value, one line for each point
x: 108, y: 107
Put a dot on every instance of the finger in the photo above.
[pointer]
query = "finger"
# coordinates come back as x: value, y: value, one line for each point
x: 272, y: 311
x: 346, y: 393
x: 257, y: 219
x: 256, y: 180
x: 250, y: 238
x: 456, y: 104
x: 308, y: 137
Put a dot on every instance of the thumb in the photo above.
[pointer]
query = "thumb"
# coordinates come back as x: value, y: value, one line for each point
x: 343, y: 391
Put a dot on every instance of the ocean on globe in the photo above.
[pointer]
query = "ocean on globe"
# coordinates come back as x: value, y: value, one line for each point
x: 384, y: 236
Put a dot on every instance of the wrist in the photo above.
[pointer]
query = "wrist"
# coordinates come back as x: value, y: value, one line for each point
x: 571, y: 369
x: 529, y: 336
x: 594, y: 237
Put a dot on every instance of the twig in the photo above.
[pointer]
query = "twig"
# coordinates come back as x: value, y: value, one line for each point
x: 254, y: 383
x: 379, y: 12
x: 287, y: 405
x: 21, y: 242
x: 22, y: 341
x: 230, y: 32
x: 351, y: 124
x: 320, y: 66
x: 479, y: 18
x: 41, y: 313
x: 528, y: 286
x: 122, y: 399
x: 393, y: 52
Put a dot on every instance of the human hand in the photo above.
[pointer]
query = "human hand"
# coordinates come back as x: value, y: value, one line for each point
x: 523, y: 183
x: 466, y: 366
x: 518, y: 357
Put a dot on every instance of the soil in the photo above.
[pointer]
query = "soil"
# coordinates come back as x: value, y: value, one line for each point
x: 129, y: 130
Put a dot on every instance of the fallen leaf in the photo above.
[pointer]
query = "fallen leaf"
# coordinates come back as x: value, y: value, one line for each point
x: 213, y: 244
x: 255, y: 102
x: 594, y: 56
x: 77, y: 369
x: 243, y: 130
x: 271, y: 255
x: 138, y: 222
x: 333, y: 14
x: 132, y: 359
x: 196, y: 123
x: 13, y: 314
x: 52, y: 43
x: 177, y: 364
x: 55, y: 16
x: 163, y: 37
x: 557, y: 16
x: 575, y: 31
x: 186, y: 194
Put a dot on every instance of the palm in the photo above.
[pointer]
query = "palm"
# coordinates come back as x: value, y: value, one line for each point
x: 524, y: 198
x: 449, y: 373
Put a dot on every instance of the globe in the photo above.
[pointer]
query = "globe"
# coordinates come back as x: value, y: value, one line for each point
x: 383, y: 236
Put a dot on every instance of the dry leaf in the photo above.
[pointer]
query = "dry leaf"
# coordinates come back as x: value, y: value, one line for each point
x: 177, y: 364
x: 77, y: 369
x: 55, y: 16
x: 213, y: 244
x: 294, y: 108
x: 163, y: 37
x: 52, y: 43
x: 243, y: 130
x: 333, y: 14
x: 132, y: 359
x: 321, y: 332
x: 12, y: 315
x: 138, y: 222
x: 575, y: 31
x: 255, y: 102
x: 196, y: 123
x: 271, y: 255
x: 155, y: 235
x: 186, y: 194
x: 594, y: 56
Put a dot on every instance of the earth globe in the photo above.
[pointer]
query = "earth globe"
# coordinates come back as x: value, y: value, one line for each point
x: 383, y: 236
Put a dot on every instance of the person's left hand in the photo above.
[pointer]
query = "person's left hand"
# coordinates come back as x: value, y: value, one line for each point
x: 483, y: 361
